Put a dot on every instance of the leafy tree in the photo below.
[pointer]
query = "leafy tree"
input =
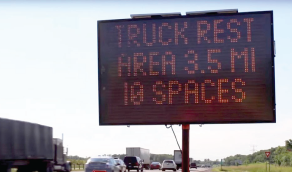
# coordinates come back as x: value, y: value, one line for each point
x: 197, y: 161
x: 160, y: 157
x: 121, y: 156
x: 288, y: 144
x: 290, y: 155
x: 285, y: 160
x: 246, y: 162
x: 277, y: 159
x: 280, y: 150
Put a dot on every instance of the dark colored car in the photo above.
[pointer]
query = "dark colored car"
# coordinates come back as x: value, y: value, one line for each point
x: 133, y: 163
x: 193, y: 165
x: 106, y: 164
x: 155, y: 165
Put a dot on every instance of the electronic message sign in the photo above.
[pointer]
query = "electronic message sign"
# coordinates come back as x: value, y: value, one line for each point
x: 206, y: 69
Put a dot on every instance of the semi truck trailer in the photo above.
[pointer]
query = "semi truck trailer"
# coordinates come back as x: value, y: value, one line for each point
x: 177, y: 157
x: 142, y: 153
x: 30, y: 147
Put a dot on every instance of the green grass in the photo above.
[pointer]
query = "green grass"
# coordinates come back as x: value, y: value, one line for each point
x: 261, y: 167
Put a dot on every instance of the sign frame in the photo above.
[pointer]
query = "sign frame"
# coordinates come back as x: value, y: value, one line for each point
x: 267, y: 154
x: 102, y: 98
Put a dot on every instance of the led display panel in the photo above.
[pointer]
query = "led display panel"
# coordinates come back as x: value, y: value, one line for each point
x: 206, y: 69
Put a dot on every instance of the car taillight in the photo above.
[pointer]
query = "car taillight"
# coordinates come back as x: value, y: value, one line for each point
x: 137, y: 163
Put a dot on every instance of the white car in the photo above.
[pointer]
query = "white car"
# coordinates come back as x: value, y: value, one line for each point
x: 168, y: 165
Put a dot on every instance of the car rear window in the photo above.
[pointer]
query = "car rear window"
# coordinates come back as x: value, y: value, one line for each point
x: 155, y: 163
x: 168, y: 162
x: 105, y: 160
x: 130, y: 159
x: 193, y: 163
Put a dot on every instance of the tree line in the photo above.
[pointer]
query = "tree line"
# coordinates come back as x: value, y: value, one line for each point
x: 281, y: 156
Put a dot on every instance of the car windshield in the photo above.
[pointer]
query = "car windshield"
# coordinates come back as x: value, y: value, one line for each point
x: 167, y: 161
x: 102, y: 160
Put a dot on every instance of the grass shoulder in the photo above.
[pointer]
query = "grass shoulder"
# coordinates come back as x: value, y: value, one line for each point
x: 259, y: 167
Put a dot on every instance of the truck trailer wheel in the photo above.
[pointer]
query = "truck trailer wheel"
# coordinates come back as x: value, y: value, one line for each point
x: 46, y: 167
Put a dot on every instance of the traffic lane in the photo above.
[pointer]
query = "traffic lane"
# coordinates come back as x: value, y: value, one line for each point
x: 200, y: 170
x: 191, y: 170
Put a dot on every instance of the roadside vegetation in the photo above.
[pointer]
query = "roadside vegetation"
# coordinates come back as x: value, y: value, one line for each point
x: 280, y: 156
x: 258, y: 167
x: 280, y: 160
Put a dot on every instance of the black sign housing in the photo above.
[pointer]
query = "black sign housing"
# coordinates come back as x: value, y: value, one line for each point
x: 206, y: 69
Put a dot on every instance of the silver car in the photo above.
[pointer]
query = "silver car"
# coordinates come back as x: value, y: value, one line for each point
x: 121, y: 164
x: 102, y: 164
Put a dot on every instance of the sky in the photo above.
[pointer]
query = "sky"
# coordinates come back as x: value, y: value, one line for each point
x: 48, y: 75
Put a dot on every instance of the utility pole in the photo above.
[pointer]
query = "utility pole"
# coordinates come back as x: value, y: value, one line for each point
x: 253, y: 148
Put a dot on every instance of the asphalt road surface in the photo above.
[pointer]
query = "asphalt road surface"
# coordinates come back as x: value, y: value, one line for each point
x: 191, y: 170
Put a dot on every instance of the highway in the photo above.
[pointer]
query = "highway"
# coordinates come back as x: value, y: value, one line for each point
x: 191, y: 170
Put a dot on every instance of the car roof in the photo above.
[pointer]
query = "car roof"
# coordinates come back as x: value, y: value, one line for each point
x: 102, y: 157
x: 131, y: 157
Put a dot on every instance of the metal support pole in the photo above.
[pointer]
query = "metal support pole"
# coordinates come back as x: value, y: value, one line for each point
x: 185, y: 147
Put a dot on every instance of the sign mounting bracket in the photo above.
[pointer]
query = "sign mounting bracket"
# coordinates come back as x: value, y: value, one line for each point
x: 155, y: 15
x: 212, y: 12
